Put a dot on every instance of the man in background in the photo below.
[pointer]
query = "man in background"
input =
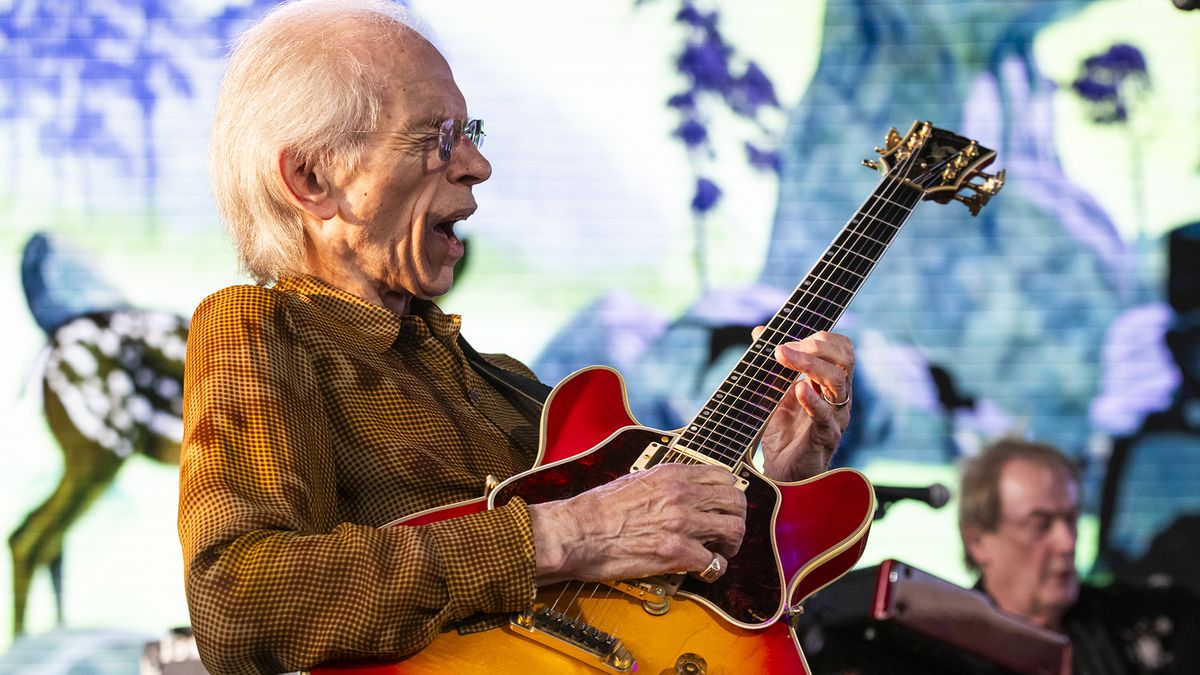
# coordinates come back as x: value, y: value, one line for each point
x: 1018, y: 511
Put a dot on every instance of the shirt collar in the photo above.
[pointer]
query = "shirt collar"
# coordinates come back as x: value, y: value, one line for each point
x: 380, y: 327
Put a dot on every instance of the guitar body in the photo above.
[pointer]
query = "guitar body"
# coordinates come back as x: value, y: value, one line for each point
x: 799, y: 537
x: 727, y: 650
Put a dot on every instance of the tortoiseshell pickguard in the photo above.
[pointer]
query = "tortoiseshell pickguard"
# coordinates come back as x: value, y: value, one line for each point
x: 751, y: 589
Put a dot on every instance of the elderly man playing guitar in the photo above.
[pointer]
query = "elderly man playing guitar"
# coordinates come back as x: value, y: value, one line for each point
x: 334, y: 397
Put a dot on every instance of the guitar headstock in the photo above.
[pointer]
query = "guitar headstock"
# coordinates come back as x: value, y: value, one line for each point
x: 941, y: 164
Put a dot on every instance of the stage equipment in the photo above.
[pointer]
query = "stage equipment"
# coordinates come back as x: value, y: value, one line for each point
x: 936, y: 496
x: 893, y: 618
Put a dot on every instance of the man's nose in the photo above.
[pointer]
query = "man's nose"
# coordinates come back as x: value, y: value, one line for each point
x: 467, y: 164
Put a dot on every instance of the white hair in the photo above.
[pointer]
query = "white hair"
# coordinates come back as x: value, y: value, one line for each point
x: 299, y: 80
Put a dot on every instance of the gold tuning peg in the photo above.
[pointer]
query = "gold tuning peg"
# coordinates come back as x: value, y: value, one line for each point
x: 871, y: 164
x: 893, y: 138
x: 879, y: 150
x: 991, y: 183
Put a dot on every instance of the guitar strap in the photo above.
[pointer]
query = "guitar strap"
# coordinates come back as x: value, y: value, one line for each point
x: 526, y: 394
x: 517, y: 388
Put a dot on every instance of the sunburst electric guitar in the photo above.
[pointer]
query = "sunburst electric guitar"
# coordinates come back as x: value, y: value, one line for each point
x: 799, y: 536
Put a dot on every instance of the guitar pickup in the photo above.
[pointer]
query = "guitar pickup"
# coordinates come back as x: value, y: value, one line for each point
x: 656, y: 452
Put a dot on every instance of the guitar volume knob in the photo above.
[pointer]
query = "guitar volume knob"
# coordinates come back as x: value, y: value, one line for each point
x: 690, y: 664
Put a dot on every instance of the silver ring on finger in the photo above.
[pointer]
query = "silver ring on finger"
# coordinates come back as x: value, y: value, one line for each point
x: 837, y: 405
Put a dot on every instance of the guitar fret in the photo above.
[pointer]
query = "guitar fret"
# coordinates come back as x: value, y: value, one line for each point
x: 880, y: 220
x: 820, y: 275
x: 737, y: 411
x: 734, y: 386
x: 751, y: 405
x: 749, y: 432
x: 716, y: 415
x: 790, y: 336
x: 748, y: 389
x: 844, y: 269
x: 742, y: 400
x: 813, y: 311
x: 763, y: 380
x: 831, y: 287
x: 834, y: 283
x: 870, y: 260
x: 731, y: 441
x: 867, y: 236
x: 885, y: 199
x: 740, y: 444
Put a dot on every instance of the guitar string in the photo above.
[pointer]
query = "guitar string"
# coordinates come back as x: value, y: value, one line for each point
x: 820, y: 286
x: 841, y: 254
x: 846, y: 248
x: 598, y: 621
x: 849, y: 239
x: 705, y: 433
x: 601, y: 621
x: 844, y: 245
x: 822, y: 283
x: 730, y: 426
x: 771, y: 367
x: 845, y: 237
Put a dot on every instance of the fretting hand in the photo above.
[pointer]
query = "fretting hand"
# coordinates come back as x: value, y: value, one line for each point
x: 805, y: 430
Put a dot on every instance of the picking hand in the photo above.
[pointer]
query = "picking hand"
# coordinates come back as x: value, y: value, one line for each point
x: 669, y: 518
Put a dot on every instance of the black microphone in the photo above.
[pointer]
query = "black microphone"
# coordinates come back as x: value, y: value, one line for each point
x: 935, y: 495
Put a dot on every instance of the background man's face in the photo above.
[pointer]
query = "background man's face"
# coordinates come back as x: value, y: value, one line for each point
x: 1028, y: 562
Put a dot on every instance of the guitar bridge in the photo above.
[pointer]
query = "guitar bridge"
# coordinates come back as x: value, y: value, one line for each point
x: 575, y: 638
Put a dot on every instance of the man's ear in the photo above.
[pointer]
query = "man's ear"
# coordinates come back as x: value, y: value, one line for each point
x: 309, y: 186
x: 975, y: 541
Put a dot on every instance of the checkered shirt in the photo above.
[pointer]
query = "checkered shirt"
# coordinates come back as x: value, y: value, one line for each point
x: 312, y: 418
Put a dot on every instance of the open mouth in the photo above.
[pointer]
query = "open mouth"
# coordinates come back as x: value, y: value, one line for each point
x: 446, y: 229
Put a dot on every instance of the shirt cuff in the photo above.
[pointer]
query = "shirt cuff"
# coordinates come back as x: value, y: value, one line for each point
x: 488, y: 559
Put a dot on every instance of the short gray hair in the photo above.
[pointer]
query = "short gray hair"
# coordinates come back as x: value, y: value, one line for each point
x: 300, y: 79
x: 979, y: 504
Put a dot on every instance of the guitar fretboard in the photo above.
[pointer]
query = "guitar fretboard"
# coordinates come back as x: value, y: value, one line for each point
x: 730, y: 422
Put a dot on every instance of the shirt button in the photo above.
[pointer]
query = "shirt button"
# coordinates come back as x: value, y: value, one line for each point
x: 473, y: 394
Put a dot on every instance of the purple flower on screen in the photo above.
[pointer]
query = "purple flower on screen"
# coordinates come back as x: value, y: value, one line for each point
x: 765, y: 160
x: 693, y: 133
x: 706, y: 64
x: 1120, y: 58
x: 751, y: 90
x: 683, y: 101
x: 688, y: 14
x: 1110, y: 82
x: 707, y: 195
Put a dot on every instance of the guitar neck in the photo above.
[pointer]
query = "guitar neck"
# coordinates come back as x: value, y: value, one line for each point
x: 732, y: 419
